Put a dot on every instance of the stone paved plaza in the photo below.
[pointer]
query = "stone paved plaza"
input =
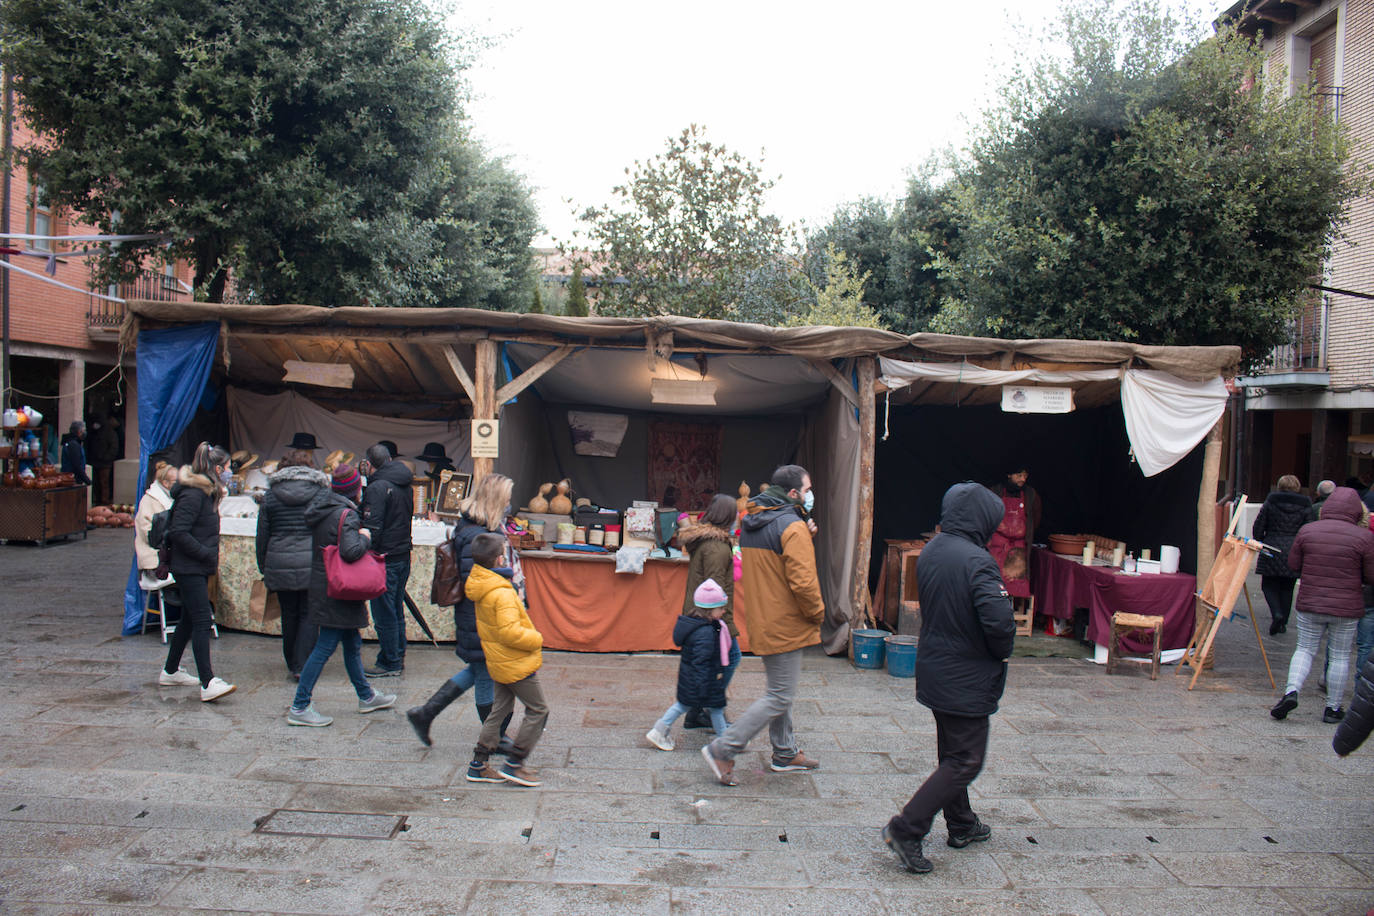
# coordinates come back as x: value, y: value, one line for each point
x: 1105, y: 794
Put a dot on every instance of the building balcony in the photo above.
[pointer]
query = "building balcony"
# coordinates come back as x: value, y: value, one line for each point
x: 104, y: 318
x: 1299, y: 362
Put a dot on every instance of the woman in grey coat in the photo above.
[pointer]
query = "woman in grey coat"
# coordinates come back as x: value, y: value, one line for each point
x: 334, y: 520
x: 284, y: 548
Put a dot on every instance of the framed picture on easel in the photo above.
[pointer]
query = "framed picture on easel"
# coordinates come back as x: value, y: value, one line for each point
x: 453, y: 489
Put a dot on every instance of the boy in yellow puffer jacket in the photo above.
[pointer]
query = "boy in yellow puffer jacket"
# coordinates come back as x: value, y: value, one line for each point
x: 511, y: 645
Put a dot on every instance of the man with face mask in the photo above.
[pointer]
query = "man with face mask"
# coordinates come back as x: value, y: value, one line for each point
x: 783, y: 616
x: 967, y: 634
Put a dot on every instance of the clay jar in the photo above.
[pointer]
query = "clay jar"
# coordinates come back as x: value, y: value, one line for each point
x: 540, y: 503
x: 562, y: 503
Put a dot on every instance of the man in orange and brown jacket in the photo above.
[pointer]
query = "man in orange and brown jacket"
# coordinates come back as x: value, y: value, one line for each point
x: 783, y: 617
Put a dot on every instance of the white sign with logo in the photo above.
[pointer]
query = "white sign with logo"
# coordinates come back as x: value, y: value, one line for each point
x: 485, y: 439
x: 1032, y: 399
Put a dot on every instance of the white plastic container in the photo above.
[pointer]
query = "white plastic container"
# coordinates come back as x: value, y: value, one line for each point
x: 1168, y: 559
x: 1147, y: 567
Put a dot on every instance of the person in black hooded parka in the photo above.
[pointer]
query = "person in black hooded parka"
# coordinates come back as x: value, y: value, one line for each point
x: 1359, y: 719
x: 1283, y: 513
x: 967, y: 633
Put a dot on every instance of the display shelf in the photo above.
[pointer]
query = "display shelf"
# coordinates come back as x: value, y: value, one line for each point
x: 34, y: 514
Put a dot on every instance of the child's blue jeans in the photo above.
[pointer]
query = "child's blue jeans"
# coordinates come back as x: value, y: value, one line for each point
x: 677, y: 710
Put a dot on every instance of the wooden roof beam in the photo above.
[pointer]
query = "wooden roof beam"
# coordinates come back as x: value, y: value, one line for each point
x: 460, y: 372
x: 531, y: 375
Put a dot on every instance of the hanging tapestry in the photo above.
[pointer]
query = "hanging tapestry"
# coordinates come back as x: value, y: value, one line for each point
x: 684, y: 463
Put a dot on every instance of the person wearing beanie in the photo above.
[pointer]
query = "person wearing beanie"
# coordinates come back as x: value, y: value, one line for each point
x: 705, y: 665
x: 710, y: 551
x: 334, y: 520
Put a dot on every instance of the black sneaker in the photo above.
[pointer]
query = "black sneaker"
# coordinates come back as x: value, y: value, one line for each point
x: 1282, y: 708
x: 908, y: 852
x: 978, y: 833
x: 379, y: 671
x: 1332, y: 716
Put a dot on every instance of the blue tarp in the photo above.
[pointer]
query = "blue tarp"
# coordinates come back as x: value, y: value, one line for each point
x: 173, y: 369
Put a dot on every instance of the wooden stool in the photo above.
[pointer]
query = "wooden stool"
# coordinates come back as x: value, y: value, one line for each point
x: 1025, y: 617
x: 1123, y: 623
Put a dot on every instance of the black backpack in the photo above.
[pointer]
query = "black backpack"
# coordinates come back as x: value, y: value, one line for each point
x: 157, y: 531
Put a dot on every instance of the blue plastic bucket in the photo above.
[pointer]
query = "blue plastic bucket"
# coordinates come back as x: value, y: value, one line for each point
x: 868, y: 648
x: 901, y: 656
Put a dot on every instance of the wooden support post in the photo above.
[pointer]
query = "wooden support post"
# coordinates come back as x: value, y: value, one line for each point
x: 484, y: 405
x: 1206, y: 518
x: 863, y: 546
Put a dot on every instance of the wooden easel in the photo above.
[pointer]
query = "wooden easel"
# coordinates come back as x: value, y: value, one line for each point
x: 1235, y: 561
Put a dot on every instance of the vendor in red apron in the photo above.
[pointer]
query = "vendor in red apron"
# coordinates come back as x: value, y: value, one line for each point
x: 1012, y: 539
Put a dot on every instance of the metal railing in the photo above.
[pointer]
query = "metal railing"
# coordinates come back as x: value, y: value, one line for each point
x: 1305, y: 347
x: 147, y: 284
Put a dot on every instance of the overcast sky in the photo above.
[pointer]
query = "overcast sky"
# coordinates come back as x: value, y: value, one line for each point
x: 835, y: 100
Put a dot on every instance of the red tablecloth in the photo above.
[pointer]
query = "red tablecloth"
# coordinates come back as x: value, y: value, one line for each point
x: 583, y: 604
x: 1061, y: 584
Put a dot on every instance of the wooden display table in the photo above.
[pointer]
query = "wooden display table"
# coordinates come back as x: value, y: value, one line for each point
x: 30, y: 514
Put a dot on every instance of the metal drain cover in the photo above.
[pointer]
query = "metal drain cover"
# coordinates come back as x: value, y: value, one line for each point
x: 338, y: 824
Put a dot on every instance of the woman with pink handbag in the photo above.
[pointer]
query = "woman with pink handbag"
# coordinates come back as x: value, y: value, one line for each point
x: 340, y: 542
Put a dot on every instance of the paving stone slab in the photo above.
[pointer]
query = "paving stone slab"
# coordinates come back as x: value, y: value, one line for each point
x: 66, y: 842
x: 1167, y: 901
x: 274, y: 892
x: 867, y: 863
x: 959, y: 902
x: 1056, y: 869
x: 601, y: 864
x: 1290, y: 870
x: 1086, y: 812
x: 37, y: 880
x: 769, y: 902
x: 472, y: 799
x: 499, y: 898
x: 236, y: 849
x: 514, y: 862
x: 1332, y: 902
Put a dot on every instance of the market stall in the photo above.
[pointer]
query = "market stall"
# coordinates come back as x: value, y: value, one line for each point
x: 777, y: 396
x: 1119, y: 440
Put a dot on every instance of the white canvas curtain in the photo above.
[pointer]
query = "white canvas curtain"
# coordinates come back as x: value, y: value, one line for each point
x: 1166, y: 416
x: 264, y: 423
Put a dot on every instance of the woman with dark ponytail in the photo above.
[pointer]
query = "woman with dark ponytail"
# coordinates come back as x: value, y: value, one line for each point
x: 193, y: 536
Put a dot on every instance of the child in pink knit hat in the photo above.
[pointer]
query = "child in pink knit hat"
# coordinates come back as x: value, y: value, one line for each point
x: 703, y: 670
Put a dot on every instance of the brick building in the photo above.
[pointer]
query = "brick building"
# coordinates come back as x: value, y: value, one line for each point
x: 1310, y: 410
x: 63, y: 343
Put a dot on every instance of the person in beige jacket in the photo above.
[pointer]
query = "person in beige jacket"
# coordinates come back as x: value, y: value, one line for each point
x: 783, y: 616
x: 158, y: 498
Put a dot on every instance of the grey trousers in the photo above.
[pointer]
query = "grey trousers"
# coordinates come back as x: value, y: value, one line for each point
x: 528, y: 691
x: 773, y: 710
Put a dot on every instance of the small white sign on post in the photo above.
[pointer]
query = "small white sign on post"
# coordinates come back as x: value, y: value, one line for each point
x: 1031, y: 399
x: 485, y: 438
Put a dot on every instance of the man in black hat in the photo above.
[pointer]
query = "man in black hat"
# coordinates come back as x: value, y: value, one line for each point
x: 387, y: 508
x: 303, y: 441
x: 438, y: 460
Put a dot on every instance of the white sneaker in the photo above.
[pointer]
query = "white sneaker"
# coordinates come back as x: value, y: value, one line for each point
x: 215, y: 689
x: 179, y: 678
x: 659, y: 740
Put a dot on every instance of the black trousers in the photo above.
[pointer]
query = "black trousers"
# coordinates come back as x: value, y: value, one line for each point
x: 962, y: 744
x: 194, y: 627
x: 298, y: 636
x: 1278, y: 592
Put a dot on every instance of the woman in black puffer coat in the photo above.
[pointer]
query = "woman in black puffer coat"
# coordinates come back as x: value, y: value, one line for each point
x: 483, y: 512
x: 284, y: 551
x: 1359, y: 719
x: 1283, y: 513
x: 193, y: 536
